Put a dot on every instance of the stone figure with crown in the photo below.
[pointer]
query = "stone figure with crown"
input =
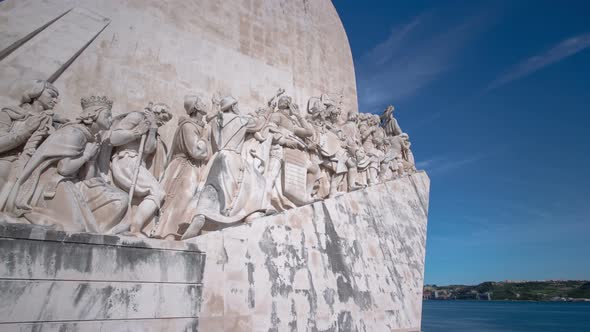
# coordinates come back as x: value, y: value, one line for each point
x: 61, y: 186
x: 95, y: 174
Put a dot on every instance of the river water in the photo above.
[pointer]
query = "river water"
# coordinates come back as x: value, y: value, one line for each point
x: 500, y: 316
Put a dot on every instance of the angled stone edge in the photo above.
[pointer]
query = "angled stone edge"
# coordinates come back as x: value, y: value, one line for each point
x: 40, y: 233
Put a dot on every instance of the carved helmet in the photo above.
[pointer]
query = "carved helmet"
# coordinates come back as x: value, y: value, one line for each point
x: 227, y: 103
x: 193, y: 104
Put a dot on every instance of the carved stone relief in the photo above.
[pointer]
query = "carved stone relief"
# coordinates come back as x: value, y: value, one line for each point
x: 223, y: 167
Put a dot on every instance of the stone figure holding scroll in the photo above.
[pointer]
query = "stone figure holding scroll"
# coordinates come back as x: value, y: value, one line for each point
x: 22, y: 129
x: 135, y: 138
x: 52, y: 189
x: 186, y: 171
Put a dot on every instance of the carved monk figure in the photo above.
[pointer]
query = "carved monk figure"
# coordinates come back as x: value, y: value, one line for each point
x: 389, y: 123
x: 352, y: 140
x: 49, y: 192
x: 190, y: 151
x: 126, y: 137
x: 399, y: 159
x: 408, y: 157
x: 22, y: 130
x: 330, y: 147
x: 372, y: 136
x: 234, y: 189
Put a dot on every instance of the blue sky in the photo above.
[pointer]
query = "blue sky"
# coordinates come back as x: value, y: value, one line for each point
x: 495, y: 96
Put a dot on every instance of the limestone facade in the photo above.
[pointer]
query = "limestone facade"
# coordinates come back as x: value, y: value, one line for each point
x: 351, y: 263
x: 163, y: 50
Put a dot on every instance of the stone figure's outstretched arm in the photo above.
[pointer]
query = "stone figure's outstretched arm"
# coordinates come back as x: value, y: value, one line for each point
x: 129, y: 129
x: 271, y: 101
x: 255, y: 124
x: 306, y: 129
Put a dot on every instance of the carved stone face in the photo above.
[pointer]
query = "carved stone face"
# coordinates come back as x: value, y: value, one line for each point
x: 360, y: 154
x: 104, y: 119
x: 284, y: 102
x: 162, y: 113
x: 374, y: 120
x: 48, y: 99
x: 333, y: 113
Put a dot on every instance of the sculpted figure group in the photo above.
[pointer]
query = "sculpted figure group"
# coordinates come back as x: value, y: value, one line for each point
x: 100, y: 174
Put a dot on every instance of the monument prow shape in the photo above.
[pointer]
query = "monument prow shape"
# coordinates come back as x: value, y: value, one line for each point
x: 106, y: 204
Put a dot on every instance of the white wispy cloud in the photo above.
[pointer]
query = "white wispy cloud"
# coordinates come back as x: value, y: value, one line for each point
x: 441, y: 165
x: 413, y: 55
x: 447, y: 163
x: 562, y: 50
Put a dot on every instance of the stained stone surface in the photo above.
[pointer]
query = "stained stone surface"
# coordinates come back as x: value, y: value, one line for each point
x: 161, y: 50
x: 352, y: 263
x: 57, y: 281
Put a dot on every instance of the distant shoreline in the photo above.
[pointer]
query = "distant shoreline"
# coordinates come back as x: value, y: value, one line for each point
x: 513, y: 291
x: 587, y: 301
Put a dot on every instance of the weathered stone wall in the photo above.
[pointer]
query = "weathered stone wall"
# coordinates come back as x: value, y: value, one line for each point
x: 160, y: 50
x: 56, y: 281
x: 353, y: 263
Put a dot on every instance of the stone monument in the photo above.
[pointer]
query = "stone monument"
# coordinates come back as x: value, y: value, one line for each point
x: 146, y: 184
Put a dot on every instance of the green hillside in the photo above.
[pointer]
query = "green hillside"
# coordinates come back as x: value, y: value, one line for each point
x: 522, y: 291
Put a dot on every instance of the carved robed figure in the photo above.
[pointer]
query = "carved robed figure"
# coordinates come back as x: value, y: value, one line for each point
x: 234, y: 189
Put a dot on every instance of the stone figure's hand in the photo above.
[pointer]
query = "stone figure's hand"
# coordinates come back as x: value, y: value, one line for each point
x: 142, y: 127
x: 33, y: 122
x: 91, y: 150
x: 216, y: 99
x: 152, y: 119
x: 280, y: 91
x: 313, y: 146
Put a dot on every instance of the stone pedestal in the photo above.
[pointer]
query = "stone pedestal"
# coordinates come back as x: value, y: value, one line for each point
x: 56, y: 281
x: 353, y: 263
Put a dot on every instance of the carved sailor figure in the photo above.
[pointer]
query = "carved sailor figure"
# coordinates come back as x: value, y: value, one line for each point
x: 389, y: 123
x: 329, y: 146
x: 23, y: 129
x: 291, y: 173
x: 352, y: 140
x: 190, y: 151
x: 372, y: 135
x: 234, y: 189
x: 135, y: 138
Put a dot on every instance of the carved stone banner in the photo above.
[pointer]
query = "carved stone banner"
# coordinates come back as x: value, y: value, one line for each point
x: 295, y: 176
